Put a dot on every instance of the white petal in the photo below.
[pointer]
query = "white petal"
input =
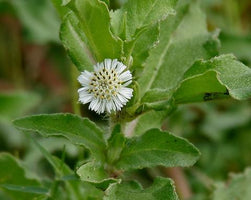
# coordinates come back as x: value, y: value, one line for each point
x: 115, y: 107
x: 108, y: 64
x: 103, y: 103
x: 109, y: 106
x: 83, y: 89
x: 85, y: 78
x: 126, y: 92
x: 93, y: 104
x: 118, y: 102
x: 87, y: 73
x: 120, y: 67
x: 98, y: 67
x: 122, y: 98
x: 86, y: 99
x: 114, y: 64
x: 99, y: 105
x: 125, y: 76
x: 127, y: 83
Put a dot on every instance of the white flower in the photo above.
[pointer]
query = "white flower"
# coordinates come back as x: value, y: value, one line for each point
x: 105, y: 88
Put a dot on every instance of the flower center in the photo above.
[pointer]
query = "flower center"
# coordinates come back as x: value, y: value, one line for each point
x: 105, y: 84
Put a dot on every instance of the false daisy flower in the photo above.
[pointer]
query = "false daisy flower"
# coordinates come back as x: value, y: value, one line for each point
x: 105, y: 88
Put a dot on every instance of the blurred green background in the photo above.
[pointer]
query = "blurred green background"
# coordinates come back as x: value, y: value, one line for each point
x: 36, y: 76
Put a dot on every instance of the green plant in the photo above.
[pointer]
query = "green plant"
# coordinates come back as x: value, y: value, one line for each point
x: 173, y: 59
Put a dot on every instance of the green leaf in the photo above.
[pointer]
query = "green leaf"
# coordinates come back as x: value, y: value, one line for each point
x: 137, y: 14
x: 145, y: 122
x: 95, y: 173
x: 80, y: 131
x: 162, y: 188
x: 216, y: 122
x: 118, y: 23
x: 215, y: 79
x: 183, y: 40
x: 157, y: 105
x: 146, y: 41
x: 115, y: 144
x: 26, y: 189
x: 6, y: 7
x: 60, y: 6
x: 35, y: 20
x: 73, y: 186
x: 95, y: 23
x: 207, y: 88
x: 239, y: 45
x: 60, y: 168
x: 65, y: 2
x: 238, y: 188
x: 14, y: 179
x: 107, y: 2
x: 154, y: 95
x: 157, y: 99
x: 17, y: 103
x: 155, y: 148
x: 12, y: 105
x: 42, y: 197
x: 75, y: 42
x: 92, y: 172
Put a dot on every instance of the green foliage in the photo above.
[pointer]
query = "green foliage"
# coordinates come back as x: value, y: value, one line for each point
x: 77, y: 130
x: 146, y: 41
x: 175, y: 53
x: 217, y: 123
x: 161, y: 188
x: 157, y: 148
x: 226, y: 76
x: 65, y: 2
x: 95, y: 173
x: 116, y: 144
x: 60, y: 6
x: 145, y: 121
x: 92, y: 172
x: 73, y: 187
x: 94, y: 21
x: 174, y: 60
x: 76, y: 42
x: 136, y: 15
x: 238, y: 44
x: 92, y: 38
x: 238, y: 188
x: 12, y: 105
x: 35, y: 20
x: 165, y: 149
x: 25, y: 189
x: 16, y: 104
x: 16, y: 182
x: 59, y: 167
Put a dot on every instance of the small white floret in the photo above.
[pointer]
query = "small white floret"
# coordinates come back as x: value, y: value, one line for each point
x: 105, y: 88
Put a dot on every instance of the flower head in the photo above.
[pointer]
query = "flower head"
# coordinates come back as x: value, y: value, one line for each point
x: 105, y: 88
